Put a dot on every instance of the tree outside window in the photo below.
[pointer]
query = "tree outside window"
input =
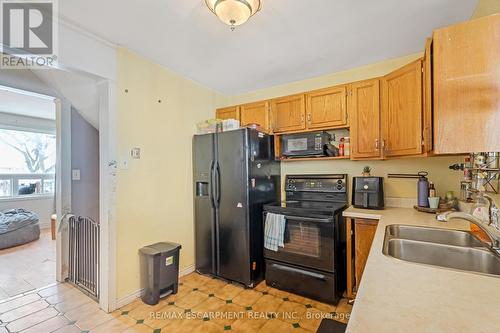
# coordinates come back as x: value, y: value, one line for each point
x: 27, y: 163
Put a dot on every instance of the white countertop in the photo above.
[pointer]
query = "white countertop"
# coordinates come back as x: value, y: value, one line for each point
x: 399, y: 296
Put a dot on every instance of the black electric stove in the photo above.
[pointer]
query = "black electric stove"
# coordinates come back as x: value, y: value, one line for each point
x: 312, y: 261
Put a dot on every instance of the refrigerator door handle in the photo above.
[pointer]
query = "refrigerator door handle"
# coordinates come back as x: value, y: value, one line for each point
x: 212, y: 184
x: 217, y: 176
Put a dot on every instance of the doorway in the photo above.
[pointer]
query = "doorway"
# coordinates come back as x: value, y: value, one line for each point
x: 95, y: 98
x: 28, y: 158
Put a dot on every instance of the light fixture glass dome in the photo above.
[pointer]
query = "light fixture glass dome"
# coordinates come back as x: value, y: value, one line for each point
x: 234, y: 12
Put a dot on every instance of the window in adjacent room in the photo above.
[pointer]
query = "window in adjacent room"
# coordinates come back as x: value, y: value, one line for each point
x: 27, y: 163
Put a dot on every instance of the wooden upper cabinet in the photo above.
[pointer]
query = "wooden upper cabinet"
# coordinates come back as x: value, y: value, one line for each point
x: 427, y: 98
x: 255, y: 113
x: 466, y: 73
x: 327, y: 108
x: 231, y: 112
x: 288, y: 113
x: 364, y: 110
x: 402, y: 111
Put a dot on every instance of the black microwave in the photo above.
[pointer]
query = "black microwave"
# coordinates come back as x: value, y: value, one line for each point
x: 304, y: 144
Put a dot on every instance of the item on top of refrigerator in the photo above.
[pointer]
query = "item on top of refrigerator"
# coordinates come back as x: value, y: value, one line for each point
x: 253, y: 126
x: 423, y: 189
x: 230, y: 125
x: 209, y: 126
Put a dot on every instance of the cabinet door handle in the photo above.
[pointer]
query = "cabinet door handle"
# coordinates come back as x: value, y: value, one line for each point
x: 309, y: 117
x: 377, y: 146
x: 301, y: 118
x: 384, y: 146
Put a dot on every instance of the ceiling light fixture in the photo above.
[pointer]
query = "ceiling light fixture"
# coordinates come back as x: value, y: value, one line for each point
x: 234, y: 12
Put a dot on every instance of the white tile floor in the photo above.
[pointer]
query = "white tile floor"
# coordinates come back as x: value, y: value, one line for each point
x: 28, y: 267
x: 43, y: 311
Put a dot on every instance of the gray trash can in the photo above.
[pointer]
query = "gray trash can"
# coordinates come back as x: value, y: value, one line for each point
x: 159, y: 271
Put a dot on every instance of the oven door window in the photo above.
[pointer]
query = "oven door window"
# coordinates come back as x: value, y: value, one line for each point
x: 303, y: 239
x: 308, y: 242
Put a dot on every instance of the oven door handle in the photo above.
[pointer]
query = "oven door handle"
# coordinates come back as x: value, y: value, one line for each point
x: 308, y: 219
x: 300, y: 271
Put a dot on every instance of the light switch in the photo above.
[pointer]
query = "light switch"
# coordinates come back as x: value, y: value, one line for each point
x: 75, y: 174
x: 135, y: 153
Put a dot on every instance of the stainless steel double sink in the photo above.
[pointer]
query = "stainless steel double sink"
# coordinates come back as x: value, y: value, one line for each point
x: 446, y: 248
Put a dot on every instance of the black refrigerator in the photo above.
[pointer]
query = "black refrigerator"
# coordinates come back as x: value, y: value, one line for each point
x: 235, y: 174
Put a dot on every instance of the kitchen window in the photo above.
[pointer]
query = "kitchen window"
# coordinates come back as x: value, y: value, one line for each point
x: 27, y: 163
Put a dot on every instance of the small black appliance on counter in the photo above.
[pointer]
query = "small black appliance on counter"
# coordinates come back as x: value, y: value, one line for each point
x: 368, y: 192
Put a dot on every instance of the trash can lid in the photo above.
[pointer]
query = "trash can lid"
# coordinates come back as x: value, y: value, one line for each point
x: 158, y: 248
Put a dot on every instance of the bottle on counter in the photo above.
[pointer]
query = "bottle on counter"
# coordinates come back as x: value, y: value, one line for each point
x: 432, y: 190
x: 423, y: 190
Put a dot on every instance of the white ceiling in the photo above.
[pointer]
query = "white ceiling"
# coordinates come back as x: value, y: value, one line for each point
x: 27, y: 105
x: 288, y: 40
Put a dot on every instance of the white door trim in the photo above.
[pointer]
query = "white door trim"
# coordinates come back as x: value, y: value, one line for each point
x: 58, y: 197
x: 63, y: 185
x: 107, y: 193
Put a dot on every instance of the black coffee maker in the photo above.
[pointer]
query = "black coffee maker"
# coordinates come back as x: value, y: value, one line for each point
x: 368, y: 192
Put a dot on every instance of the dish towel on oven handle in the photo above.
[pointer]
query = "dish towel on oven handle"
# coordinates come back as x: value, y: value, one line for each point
x: 274, y: 231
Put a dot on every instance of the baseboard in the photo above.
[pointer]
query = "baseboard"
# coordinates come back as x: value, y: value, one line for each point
x: 129, y: 298
x: 187, y: 270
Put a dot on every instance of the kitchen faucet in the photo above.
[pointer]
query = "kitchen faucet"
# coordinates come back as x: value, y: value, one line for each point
x: 490, y: 208
x: 492, y: 233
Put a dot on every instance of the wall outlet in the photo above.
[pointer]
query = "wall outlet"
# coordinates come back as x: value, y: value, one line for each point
x: 75, y: 174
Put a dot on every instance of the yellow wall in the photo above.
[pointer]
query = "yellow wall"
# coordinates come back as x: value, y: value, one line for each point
x: 437, y: 167
x: 154, y: 195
